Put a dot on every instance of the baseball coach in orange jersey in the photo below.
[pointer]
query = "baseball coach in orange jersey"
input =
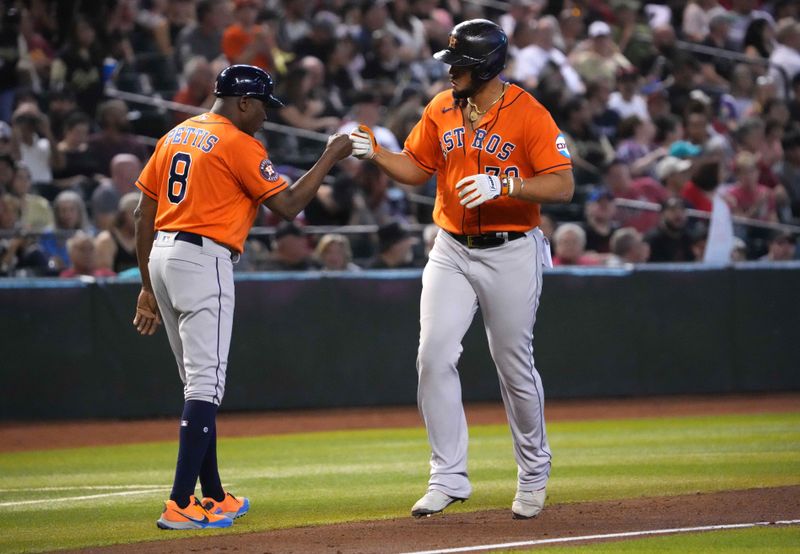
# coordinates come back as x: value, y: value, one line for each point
x: 200, y: 193
x: 497, y: 155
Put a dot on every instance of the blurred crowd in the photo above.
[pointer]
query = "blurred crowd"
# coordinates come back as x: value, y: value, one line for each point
x: 665, y: 105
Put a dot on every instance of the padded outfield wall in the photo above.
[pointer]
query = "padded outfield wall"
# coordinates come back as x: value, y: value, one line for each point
x: 315, y: 341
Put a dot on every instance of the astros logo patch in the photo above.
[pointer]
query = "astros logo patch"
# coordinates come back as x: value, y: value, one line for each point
x: 267, y: 171
x: 561, y: 146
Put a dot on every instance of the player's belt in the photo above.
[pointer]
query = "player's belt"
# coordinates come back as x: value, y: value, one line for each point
x: 194, y: 238
x: 487, y: 240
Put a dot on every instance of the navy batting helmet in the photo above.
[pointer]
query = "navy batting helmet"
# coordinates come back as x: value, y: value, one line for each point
x: 246, y: 80
x: 479, y: 43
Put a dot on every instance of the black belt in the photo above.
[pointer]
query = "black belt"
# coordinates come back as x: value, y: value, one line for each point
x: 191, y: 238
x: 487, y: 240
x: 197, y: 240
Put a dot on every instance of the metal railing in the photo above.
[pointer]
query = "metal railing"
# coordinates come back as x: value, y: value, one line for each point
x: 159, y: 102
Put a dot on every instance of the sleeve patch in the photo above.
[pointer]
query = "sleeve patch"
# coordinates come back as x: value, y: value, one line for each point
x: 268, y: 171
x: 561, y: 146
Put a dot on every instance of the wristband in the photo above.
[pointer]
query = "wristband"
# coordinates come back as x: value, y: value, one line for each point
x: 506, y: 185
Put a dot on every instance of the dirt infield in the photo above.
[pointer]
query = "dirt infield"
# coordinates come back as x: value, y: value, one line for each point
x: 497, y: 526
x: 35, y: 436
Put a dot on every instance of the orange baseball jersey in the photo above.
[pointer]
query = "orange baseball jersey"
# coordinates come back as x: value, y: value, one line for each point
x: 516, y: 137
x: 209, y: 178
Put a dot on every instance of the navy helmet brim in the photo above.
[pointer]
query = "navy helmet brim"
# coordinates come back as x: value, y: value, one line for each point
x: 451, y: 58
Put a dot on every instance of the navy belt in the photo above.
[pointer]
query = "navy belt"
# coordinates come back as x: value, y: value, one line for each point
x: 487, y: 240
x: 197, y: 240
x: 191, y: 238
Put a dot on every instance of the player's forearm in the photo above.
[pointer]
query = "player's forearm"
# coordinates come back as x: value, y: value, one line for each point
x: 398, y: 166
x: 145, y: 216
x: 305, y: 188
x: 545, y: 189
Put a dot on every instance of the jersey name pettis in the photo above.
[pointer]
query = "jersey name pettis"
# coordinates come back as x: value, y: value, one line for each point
x: 192, y: 136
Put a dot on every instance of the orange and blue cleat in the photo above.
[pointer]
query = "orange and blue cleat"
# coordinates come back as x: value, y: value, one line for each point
x: 193, y: 516
x: 230, y: 506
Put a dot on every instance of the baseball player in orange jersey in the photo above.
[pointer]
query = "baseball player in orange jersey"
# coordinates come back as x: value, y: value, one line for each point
x: 200, y: 193
x: 497, y: 155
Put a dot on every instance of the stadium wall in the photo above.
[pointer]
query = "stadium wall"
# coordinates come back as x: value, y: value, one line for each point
x: 312, y: 341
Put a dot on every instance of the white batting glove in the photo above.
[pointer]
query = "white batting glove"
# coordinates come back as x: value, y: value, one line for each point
x: 364, y: 144
x: 477, y: 189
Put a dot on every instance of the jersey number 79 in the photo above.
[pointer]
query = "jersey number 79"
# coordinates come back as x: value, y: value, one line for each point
x: 178, y: 177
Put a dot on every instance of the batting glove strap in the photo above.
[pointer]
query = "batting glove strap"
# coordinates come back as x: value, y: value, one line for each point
x: 477, y: 189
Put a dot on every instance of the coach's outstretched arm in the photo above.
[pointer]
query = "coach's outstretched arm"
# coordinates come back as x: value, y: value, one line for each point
x: 396, y: 165
x: 289, y: 202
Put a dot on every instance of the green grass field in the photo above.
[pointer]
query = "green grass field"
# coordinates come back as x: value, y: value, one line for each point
x: 319, y: 478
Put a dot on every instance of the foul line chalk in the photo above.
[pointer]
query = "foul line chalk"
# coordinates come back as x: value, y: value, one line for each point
x: 628, y: 534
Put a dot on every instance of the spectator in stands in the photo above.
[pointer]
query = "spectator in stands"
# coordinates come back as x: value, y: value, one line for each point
x: 716, y: 70
x: 626, y: 100
x: 699, y: 191
x: 782, y: 247
x: 537, y: 49
x: 789, y: 174
x: 738, y: 102
x: 60, y: 105
x: 697, y: 18
x: 342, y: 75
x: 300, y: 110
x: 759, y: 42
x: 83, y: 258
x: 671, y: 240
x: 794, y: 102
x: 685, y: 74
x: 291, y: 251
x: 34, y: 142
x: 6, y: 148
x: 785, y: 59
x: 627, y: 247
x: 333, y: 253
x: 197, y: 89
x: 10, y: 47
x: 294, y: 24
x: 116, y: 247
x: 320, y: 41
x: 7, y: 170
x: 673, y: 173
x: 589, y: 151
x: 747, y: 196
x: 383, y: 68
x: 125, y: 169
x: 744, y: 15
x: 598, y: 56
x: 35, y: 212
x: 367, y: 111
x: 408, y: 30
x: 619, y: 181
x: 247, y: 41
x: 604, y: 120
x: 569, y: 240
x: 79, y: 66
x: 600, y: 224
x: 395, y: 248
x: 20, y: 255
x: 113, y: 137
x: 70, y: 215
x: 385, y: 200
x: 203, y: 38
x: 637, y: 147
x: 374, y: 19
x: 80, y: 166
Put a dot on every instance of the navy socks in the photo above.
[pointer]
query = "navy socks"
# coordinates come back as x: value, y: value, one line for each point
x: 209, y: 472
x: 197, y: 433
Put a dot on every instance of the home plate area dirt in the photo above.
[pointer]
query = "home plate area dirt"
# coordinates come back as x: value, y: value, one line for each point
x: 497, y: 527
